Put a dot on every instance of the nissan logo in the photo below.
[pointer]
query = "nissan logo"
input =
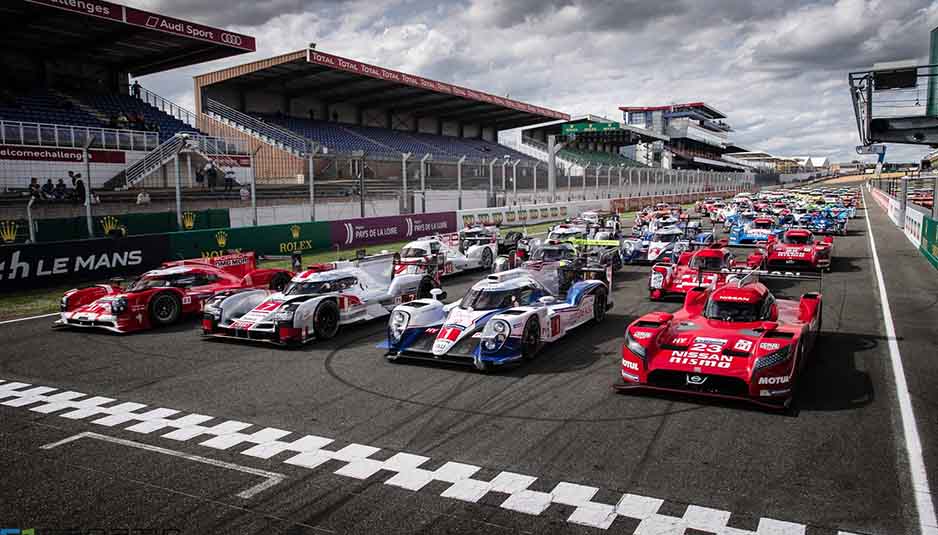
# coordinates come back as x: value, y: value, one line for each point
x: 696, y: 379
x: 231, y: 39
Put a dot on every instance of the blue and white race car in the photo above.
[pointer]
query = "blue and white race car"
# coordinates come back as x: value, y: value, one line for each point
x: 756, y: 231
x: 666, y: 243
x: 504, y: 318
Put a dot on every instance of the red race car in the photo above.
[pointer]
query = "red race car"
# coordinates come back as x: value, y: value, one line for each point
x: 162, y: 296
x: 702, y: 267
x: 736, y: 341
x: 797, y: 249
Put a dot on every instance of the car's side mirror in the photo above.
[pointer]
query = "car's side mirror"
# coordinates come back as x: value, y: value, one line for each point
x: 438, y: 294
x: 547, y: 300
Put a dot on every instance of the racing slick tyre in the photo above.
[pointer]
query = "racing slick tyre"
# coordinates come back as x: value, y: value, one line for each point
x: 165, y: 309
x: 326, y: 320
x: 599, y: 306
x: 423, y: 290
x: 530, y: 339
x: 279, y: 281
x: 487, y: 259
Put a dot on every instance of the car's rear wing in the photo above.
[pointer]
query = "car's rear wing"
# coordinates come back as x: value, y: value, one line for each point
x: 237, y: 264
x: 744, y: 275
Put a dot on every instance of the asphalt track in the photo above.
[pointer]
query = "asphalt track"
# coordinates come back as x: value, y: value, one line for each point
x: 626, y: 463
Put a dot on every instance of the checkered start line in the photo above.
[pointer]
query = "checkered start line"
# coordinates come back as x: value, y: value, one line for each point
x: 309, y: 451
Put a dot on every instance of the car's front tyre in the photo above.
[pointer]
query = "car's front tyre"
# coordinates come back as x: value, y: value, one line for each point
x: 165, y: 309
x: 326, y: 320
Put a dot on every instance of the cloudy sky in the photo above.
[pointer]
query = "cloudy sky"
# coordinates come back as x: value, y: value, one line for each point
x: 777, y: 68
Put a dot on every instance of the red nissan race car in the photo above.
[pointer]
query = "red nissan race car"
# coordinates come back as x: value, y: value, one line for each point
x: 702, y: 267
x: 162, y: 296
x: 797, y: 249
x: 736, y: 341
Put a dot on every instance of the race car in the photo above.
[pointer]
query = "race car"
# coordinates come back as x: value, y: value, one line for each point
x: 567, y: 231
x: 701, y: 267
x: 797, y: 249
x: 736, y: 341
x: 484, y: 234
x: 162, y: 296
x: 668, y: 242
x: 757, y: 231
x: 505, y: 318
x: 602, y: 250
x: 316, y: 302
x: 825, y: 222
x: 448, y: 253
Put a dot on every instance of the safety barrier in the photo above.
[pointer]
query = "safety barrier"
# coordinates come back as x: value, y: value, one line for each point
x: 921, y: 230
x: 133, y: 224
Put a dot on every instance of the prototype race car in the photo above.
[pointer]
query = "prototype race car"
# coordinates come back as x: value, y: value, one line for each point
x: 665, y: 243
x: 504, y: 318
x: 316, y: 302
x: 797, y: 249
x: 162, y: 296
x: 735, y: 341
x: 702, y: 267
x: 756, y: 231
x: 448, y: 253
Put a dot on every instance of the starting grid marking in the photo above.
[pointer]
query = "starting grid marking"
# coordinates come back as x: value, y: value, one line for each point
x: 309, y: 452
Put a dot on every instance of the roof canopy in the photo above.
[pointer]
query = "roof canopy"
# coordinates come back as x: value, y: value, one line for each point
x: 129, y: 39
x: 318, y: 74
x: 622, y: 136
x: 706, y: 109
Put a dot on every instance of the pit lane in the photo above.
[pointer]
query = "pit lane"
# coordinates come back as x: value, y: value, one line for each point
x: 833, y: 466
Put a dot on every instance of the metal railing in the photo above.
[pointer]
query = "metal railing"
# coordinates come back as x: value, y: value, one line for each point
x: 154, y: 160
x: 76, y: 137
x: 267, y: 132
x: 164, y: 105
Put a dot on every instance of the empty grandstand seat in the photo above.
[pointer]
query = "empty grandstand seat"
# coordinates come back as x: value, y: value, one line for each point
x: 112, y: 105
x: 42, y: 106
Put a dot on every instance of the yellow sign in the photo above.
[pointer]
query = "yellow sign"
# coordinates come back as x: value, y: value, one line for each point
x: 8, y: 231
x: 295, y: 232
x: 110, y: 223
x: 188, y: 220
x: 221, y: 238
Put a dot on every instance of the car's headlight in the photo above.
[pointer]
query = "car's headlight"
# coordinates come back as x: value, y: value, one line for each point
x: 495, y: 334
x: 398, y: 324
x: 773, y: 358
x: 63, y: 303
x: 286, y: 313
x: 119, y: 305
x: 634, y: 346
x: 657, y: 280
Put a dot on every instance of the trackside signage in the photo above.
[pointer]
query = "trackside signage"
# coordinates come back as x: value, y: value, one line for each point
x: 94, y: 8
x: 165, y: 24
x: 46, y: 264
x: 48, y: 154
x: 350, y: 233
x: 929, y: 246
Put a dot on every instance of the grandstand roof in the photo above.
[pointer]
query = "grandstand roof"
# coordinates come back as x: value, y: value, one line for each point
x: 712, y: 112
x: 316, y: 73
x: 623, y: 136
x: 137, y: 41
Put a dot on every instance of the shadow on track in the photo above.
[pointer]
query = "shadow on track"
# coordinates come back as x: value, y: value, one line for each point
x: 832, y: 382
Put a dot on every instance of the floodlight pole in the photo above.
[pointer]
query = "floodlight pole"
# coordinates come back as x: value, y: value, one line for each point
x: 504, y: 174
x: 514, y: 182
x: 313, y: 150
x: 553, y: 147
x: 404, y: 157
x: 492, y: 181
x: 536, y: 164
x: 423, y: 181
x: 86, y: 153
x: 459, y: 181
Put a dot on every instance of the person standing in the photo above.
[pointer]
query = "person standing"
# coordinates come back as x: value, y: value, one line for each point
x: 80, y: 191
x: 135, y: 89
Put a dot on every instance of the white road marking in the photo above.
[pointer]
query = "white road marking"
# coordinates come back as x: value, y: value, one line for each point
x: 309, y: 451
x: 29, y: 318
x: 928, y: 524
x: 272, y: 478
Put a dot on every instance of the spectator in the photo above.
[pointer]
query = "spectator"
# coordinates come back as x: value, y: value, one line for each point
x: 79, y: 190
x: 60, y: 192
x: 229, y: 181
x: 199, y: 176
x: 135, y: 89
x: 245, y: 193
x: 211, y: 176
x: 48, y: 190
x: 143, y: 197
x: 34, y: 190
x: 122, y: 120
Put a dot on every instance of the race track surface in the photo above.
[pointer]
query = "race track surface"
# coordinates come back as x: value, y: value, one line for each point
x: 331, y: 438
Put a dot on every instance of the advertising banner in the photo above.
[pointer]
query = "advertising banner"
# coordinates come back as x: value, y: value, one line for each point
x: 352, y: 233
x: 55, y: 154
x: 47, y: 264
x: 166, y: 24
x: 264, y: 240
x: 929, y: 246
x: 94, y: 8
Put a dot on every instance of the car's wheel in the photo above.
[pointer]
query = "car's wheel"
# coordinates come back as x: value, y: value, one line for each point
x: 423, y: 290
x: 279, y: 281
x: 487, y: 258
x: 326, y: 320
x: 165, y: 309
x: 599, y: 306
x: 530, y: 339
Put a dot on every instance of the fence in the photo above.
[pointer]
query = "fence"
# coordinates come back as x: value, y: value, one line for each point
x: 918, y: 223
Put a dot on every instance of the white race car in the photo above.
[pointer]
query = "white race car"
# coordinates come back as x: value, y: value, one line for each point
x: 316, y: 302
x: 506, y: 317
x: 447, y: 254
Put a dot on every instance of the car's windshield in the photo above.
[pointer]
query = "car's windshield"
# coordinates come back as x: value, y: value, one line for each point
x: 413, y: 252
x: 732, y: 311
x: 314, y: 287
x: 766, y: 225
x: 179, y: 280
x: 665, y: 237
x: 553, y: 254
x: 706, y: 262
x: 797, y: 239
x: 491, y: 299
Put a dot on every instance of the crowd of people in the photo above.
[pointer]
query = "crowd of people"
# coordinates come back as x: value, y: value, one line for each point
x: 59, y: 191
x: 132, y: 121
